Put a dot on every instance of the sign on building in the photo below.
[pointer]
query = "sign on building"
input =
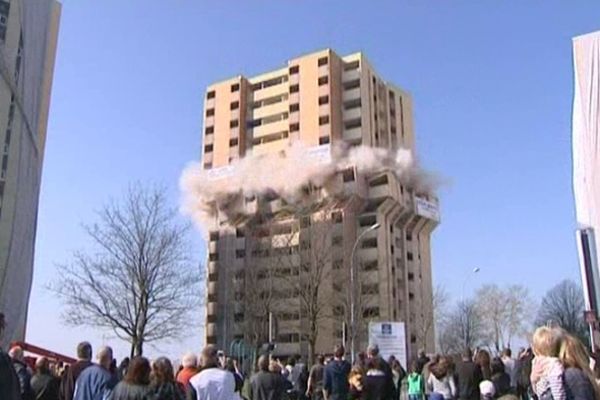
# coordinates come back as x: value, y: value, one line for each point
x: 427, y: 209
x: 390, y: 337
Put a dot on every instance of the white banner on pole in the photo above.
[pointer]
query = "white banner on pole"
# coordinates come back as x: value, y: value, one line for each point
x: 390, y: 337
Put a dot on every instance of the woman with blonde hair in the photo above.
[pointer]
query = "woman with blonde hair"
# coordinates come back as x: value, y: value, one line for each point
x: 578, y: 377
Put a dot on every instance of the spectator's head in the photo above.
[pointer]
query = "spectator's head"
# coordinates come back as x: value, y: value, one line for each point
x: 274, y: 367
x: 422, y: 353
x: 339, y: 351
x: 124, y: 363
x: 547, y: 341
x: 467, y: 354
x: 84, y: 351
x: 263, y: 363
x: 162, y: 371
x: 292, y: 361
x: 209, y: 357
x: 487, y: 389
x: 16, y: 353
x: 42, y: 365
x: 507, y: 352
x: 189, y: 360
x: 375, y: 363
x: 414, y: 367
x: 497, y: 366
x: 138, y: 372
x: 373, y: 351
x: 105, y: 357
x: 320, y: 359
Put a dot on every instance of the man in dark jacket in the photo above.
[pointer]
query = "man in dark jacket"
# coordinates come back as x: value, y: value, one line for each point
x: 422, y: 361
x: 335, y: 378
x: 266, y: 385
x: 84, y: 360
x: 9, y: 382
x: 468, y: 376
x: 43, y: 384
x: 373, y: 354
x: 18, y: 360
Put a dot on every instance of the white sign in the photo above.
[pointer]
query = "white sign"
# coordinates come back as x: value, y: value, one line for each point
x: 220, y: 172
x: 321, y: 154
x: 390, y: 337
x: 427, y: 209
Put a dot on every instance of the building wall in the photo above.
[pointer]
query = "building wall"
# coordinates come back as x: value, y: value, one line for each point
x: 28, y: 36
x: 323, y: 99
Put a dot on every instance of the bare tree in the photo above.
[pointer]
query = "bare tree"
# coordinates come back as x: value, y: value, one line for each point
x: 432, y: 316
x: 564, y: 305
x: 463, y: 328
x: 138, y: 280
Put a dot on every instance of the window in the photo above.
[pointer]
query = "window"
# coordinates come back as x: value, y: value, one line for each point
x: 209, y: 130
x: 409, y: 256
x: 367, y: 220
x: 370, y: 266
x: 233, y: 142
x: 370, y: 288
x: 408, y: 237
x: 270, y: 138
x: 354, y: 123
x: 240, y: 253
x: 305, y: 222
x: 213, y: 257
x: 324, y: 120
x: 214, y: 235
x: 348, y: 175
x: 337, y: 240
x: 294, y: 88
x: 323, y: 61
x: 323, y: 140
x: 208, y: 148
x: 234, y: 123
x: 213, y: 277
x: 294, y: 127
x: 294, y: 70
x: 411, y: 276
x: 239, y: 233
x: 371, y: 312
x: 323, y: 100
x: 212, y: 298
x: 324, y: 80
x: 351, y: 65
x: 369, y: 243
x: 337, y: 217
x: 352, y: 84
x: 391, y: 94
x: 294, y: 107
x: 210, y: 112
x: 238, y: 317
x: 351, y: 104
x: 207, y: 165
x: 234, y: 105
x: 235, y: 87
x: 210, y: 95
x: 411, y: 296
x: 379, y: 181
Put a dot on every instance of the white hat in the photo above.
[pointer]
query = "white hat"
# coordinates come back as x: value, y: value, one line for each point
x: 487, y: 388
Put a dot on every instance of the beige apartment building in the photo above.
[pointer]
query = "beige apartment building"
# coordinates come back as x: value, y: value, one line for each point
x: 28, y: 35
x: 323, y: 101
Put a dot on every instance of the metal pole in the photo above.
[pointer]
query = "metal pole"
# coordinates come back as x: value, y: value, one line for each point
x: 270, y: 327
x: 353, y: 289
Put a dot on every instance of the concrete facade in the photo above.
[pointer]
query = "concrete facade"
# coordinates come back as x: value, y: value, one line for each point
x: 320, y: 100
x: 28, y: 35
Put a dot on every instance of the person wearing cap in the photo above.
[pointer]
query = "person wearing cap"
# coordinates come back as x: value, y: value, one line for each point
x: 43, y: 383
x: 213, y: 382
x: 10, y: 388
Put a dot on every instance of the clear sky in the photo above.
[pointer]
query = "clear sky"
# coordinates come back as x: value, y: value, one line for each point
x: 492, y: 90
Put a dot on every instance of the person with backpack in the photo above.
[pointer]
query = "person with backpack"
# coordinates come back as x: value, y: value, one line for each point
x: 416, y: 384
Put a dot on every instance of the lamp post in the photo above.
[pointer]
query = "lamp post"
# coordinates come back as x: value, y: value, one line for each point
x: 462, y: 304
x: 353, y: 289
x: 462, y: 292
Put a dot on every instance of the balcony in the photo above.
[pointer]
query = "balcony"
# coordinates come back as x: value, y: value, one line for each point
x: 351, y: 94
x: 353, y: 134
x: 209, y: 121
x: 212, y: 288
x: 211, y: 329
x: 212, y: 267
x: 211, y: 309
x: 351, y: 75
x: 379, y: 191
x: 353, y: 113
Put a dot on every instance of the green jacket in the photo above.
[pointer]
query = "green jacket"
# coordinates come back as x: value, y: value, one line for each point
x: 415, y: 383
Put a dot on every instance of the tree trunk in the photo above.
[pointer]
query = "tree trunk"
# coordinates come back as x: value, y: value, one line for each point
x: 139, y: 348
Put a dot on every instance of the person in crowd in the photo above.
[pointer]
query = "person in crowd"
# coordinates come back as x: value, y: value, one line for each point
x: 579, y: 380
x: 43, y: 383
x: 416, y: 384
x: 547, y: 371
x: 355, y: 382
x: 164, y: 386
x: 68, y: 379
x: 335, y: 378
x: 18, y: 359
x: 422, y: 361
x: 469, y: 376
x: 314, y: 389
x: 122, y: 370
x: 500, y: 378
x: 136, y: 383
x: 524, y: 374
x: 487, y: 390
x: 266, y: 384
x: 510, y: 366
x: 398, y: 375
x: 376, y: 384
x: 440, y: 383
x: 189, y: 362
x: 9, y: 381
x: 96, y: 382
x: 483, y: 359
x: 373, y: 352
x: 361, y: 360
x: 239, y: 379
x: 213, y: 382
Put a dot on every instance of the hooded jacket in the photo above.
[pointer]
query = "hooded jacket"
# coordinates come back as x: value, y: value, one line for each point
x: 335, y: 379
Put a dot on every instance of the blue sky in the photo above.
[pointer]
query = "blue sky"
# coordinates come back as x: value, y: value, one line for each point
x: 492, y: 90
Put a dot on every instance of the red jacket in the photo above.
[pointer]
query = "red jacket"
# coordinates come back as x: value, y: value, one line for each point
x: 185, y: 375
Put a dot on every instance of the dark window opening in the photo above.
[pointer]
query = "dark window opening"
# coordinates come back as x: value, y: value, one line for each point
x: 323, y: 100
x: 294, y: 127
x: 324, y: 120
x: 209, y: 130
x: 234, y: 105
x: 379, y: 181
x: 210, y: 112
x: 324, y: 80
x: 234, y: 123
x: 214, y: 235
x: 351, y: 65
x: 409, y: 256
x: 294, y: 88
x: 208, y: 148
x: 294, y: 107
x: 210, y: 95
x: 294, y: 70
x: 369, y: 243
x: 337, y: 217
x: 322, y: 61
x: 352, y: 84
x: 235, y: 87
x: 355, y: 123
x: 323, y: 140
x: 348, y: 175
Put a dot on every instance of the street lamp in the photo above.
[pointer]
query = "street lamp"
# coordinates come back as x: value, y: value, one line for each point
x: 462, y: 305
x: 462, y: 292
x: 352, y: 288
